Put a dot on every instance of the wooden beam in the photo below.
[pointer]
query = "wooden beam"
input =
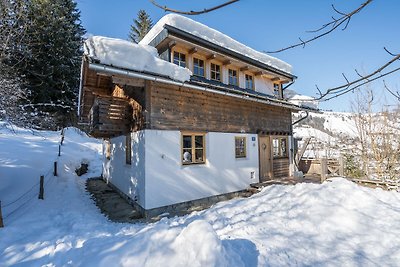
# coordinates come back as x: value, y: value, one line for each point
x: 227, y: 62
x: 244, y: 68
x: 258, y: 73
x: 172, y: 44
x: 135, y: 82
x: 275, y: 79
x: 212, y: 56
x: 193, y: 50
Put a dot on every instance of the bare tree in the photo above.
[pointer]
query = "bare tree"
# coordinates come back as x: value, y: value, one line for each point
x: 379, y: 135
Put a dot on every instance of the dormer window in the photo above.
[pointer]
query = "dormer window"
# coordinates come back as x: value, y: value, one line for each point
x: 277, y: 90
x: 249, y: 81
x: 215, y: 72
x: 198, y: 67
x: 180, y: 59
x: 233, y: 77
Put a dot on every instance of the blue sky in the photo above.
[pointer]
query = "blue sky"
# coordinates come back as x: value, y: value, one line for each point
x: 268, y: 25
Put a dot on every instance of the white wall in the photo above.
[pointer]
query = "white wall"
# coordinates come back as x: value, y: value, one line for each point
x: 264, y: 85
x: 130, y: 179
x: 169, y: 182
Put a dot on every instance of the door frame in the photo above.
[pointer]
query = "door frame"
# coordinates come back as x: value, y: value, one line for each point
x: 265, y: 160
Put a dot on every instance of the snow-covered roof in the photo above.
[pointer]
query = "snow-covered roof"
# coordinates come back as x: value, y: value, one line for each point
x: 202, y: 31
x: 137, y: 57
x: 300, y: 100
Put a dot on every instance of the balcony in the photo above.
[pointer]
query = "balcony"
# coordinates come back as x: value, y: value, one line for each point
x: 110, y: 116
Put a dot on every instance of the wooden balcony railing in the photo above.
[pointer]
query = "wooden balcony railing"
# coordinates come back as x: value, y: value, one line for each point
x: 110, y: 116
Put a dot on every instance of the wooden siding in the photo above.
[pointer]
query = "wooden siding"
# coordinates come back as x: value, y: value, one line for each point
x: 178, y: 108
x: 281, y: 167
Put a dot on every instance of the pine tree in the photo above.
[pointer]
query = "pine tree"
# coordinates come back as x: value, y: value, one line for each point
x: 51, y: 62
x: 141, y: 26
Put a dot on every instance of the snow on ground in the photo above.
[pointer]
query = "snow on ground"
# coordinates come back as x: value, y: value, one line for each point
x: 336, y: 223
x: 137, y: 57
x: 215, y: 37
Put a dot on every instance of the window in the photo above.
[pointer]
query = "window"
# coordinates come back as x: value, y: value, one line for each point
x: 179, y: 59
x: 128, y: 149
x: 193, y: 148
x: 198, y: 67
x: 233, y: 77
x: 240, y: 147
x: 215, y: 72
x: 279, y: 147
x: 249, y: 81
x: 277, y: 89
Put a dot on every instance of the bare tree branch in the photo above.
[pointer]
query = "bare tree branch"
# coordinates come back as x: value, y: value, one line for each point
x: 327, y: 28
x: 396, y: 95
x: 206, y: 10
x: 364, y: 79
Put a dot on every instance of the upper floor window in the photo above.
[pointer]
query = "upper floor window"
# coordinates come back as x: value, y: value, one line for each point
x: 233, y: 77
x: 198, y: 67
x: 277, y: 89
x: 180, y: 59
x: 279, y: 147
x: 249, y: 81
x: 215, y: 72
x: 193, y: 148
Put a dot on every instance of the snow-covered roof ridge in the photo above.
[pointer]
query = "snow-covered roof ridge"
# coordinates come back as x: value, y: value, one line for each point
x: 202, y: 31
x: 137, y: 57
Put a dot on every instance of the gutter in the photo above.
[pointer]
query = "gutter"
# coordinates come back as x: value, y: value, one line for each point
x: 302, y: 118
x: 133, y: 74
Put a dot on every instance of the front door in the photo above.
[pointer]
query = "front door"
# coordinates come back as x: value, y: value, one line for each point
x: 266, y: 172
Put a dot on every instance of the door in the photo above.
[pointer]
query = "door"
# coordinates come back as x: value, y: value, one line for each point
x: 264, y: 148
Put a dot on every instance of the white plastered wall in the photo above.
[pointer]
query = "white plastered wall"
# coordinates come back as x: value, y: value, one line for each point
x: 169, y: 182
x: 129, y: 178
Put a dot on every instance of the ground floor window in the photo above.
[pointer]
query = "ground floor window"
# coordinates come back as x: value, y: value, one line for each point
x: 240, y: 146
x: 193, y: 148
x: 279, y: 147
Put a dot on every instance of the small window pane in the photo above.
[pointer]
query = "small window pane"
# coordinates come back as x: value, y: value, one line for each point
x: 199, y: 155
x: 275, y: 147
x: 249, y: 81
x: 233, y: 80
x: 187, y: 155
x: 283, y: 147
x: 187, y: 141
x: 199, y: 141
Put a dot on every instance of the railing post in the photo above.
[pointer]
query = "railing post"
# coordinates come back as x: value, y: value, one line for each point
x: 1, y: 218
x: 324, y: 169
x: 55, y: 168
x: 341, y: 166
x: 41, y: 188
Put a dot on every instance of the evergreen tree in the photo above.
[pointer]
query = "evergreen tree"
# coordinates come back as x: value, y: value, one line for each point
x: 141, y: 26
x: 51, y: 62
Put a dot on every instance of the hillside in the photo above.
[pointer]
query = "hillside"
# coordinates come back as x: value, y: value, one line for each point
x: 335, y: 223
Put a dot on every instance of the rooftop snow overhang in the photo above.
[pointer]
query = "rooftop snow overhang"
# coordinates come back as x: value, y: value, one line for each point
x: 219, y: 89
x: 181, y: 34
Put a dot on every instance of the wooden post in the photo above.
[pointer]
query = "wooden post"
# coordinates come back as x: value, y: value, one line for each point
x: 1, y: 218
x: 62, y: 139
x: 59, y: 150
x: 341, y: 166
x: 41, y: 188
x: 324, y: 169
x: 55, y: 168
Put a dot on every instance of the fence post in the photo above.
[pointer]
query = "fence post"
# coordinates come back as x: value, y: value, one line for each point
x: 55, y: 168
x: 59, y: 150
x: 341, y: 166
x: 41, y: 188
x: 1, y: 218
x: 324, y: 169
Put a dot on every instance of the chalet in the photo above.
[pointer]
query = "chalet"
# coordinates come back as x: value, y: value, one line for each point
x: 187, y: 115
